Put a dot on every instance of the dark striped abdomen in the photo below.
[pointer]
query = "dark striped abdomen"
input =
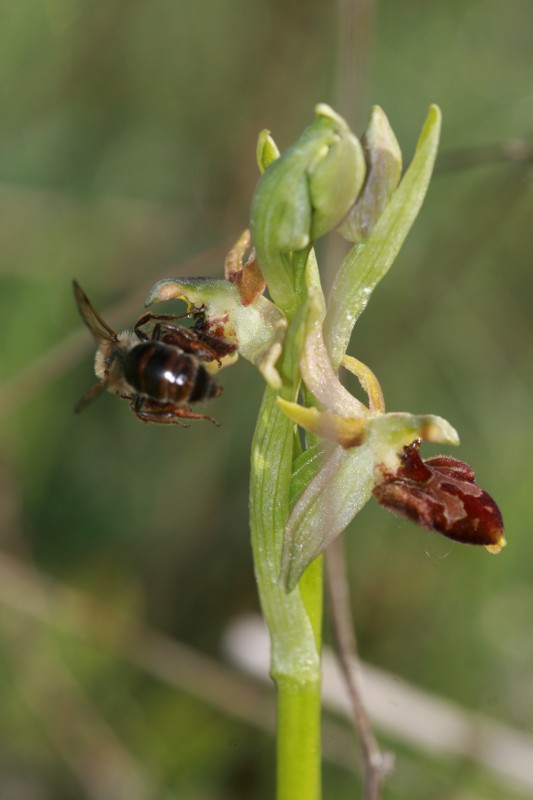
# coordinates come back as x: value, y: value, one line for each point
x: 167, y: 374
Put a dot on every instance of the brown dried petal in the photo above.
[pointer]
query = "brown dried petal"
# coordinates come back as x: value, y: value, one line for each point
x: 441, y: 494
x: 246, y: 275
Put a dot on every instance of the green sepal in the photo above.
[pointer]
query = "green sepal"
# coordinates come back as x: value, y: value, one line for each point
x: 365, y: 265
x: 384, y: 170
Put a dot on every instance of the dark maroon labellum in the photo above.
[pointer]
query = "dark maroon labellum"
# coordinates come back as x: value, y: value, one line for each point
x: 440, y: 494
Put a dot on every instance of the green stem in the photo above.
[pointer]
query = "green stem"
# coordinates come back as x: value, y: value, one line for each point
x: 298, y: 745
x: 294, y: 620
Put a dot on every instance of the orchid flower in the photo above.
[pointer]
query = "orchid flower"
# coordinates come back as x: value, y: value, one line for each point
x: 233, y: 310
x: 302, y: 499
x: 375, y: 454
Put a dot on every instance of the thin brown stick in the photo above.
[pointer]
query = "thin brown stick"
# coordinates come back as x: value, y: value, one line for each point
x: 376, y: 765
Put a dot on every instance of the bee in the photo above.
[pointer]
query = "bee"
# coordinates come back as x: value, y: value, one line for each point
x: 160, y: 367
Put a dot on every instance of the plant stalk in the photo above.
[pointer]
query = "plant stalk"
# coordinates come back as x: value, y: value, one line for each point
x: 298, y: 742
x: 295, y: 619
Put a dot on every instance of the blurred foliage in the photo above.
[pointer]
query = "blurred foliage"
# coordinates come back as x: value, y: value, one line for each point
x: 127, y: 146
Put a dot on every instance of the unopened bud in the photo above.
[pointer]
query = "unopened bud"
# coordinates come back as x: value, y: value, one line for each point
x: 338, y: 174
x: 302, y: 195
x: 384, y: 169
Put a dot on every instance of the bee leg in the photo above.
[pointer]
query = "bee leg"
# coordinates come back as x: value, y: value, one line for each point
x: 185, y: 411
x: 188, y: 339
x: 148, y: 410
x: 147, y: 318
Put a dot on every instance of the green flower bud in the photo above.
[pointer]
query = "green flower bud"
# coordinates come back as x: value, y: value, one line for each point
x: 384, y: 163
x: 337, y: 174
x: 302, y: 195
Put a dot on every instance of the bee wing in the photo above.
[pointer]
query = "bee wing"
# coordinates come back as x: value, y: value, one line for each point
x: 99, y: 329
x: 94, y: 392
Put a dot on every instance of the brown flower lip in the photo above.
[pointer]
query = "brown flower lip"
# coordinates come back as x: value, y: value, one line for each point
x: 441, y: 494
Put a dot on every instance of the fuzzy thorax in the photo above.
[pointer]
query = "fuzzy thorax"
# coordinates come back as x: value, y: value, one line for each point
x: 109, y: 363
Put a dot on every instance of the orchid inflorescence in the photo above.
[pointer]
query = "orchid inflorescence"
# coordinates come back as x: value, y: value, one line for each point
x: 329, y: 180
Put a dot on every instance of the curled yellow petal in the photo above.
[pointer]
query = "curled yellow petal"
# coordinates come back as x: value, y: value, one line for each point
x: 368, y: 381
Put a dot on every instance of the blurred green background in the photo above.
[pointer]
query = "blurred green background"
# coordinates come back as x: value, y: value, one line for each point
x: 127, y: 154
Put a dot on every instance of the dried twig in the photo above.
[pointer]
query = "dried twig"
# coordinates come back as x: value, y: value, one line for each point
x: 377, y: 765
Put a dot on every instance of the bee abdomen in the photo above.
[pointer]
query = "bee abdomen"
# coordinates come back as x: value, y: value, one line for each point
x: 204, y: 386
x: 167, y: 374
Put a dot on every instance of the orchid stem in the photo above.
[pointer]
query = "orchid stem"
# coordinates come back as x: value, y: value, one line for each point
x: 295, y: 619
